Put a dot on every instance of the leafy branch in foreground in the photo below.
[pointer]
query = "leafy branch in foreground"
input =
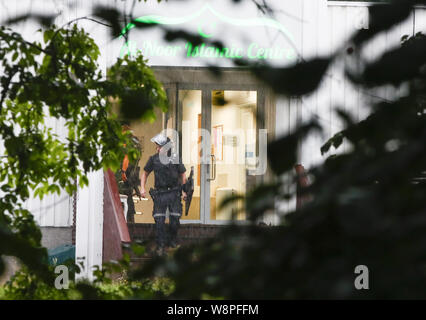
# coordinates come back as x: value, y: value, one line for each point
x: 59, y: 80
x: 367, y: 202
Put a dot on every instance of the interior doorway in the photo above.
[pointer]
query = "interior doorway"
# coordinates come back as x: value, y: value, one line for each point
x: 219, y: 141
x: 215, y: 128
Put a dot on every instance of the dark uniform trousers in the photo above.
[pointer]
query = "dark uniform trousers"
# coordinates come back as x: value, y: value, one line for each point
x: 128, y: 187
x: 163, y: 200
x: 131, y: 208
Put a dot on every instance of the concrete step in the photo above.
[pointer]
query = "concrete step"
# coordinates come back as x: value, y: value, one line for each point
x: 144, y: 234
x: 138, y: 261
x: 187, y: 233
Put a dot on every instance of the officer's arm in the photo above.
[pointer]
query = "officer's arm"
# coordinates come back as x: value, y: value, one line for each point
x: 143, y: 182
x: 183, y: 177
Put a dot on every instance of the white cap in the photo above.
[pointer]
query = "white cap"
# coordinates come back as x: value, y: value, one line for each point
x: 159, y: 139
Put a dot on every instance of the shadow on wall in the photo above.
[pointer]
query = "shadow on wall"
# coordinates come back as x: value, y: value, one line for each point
x: 12, y: 266
x: 302, y: 183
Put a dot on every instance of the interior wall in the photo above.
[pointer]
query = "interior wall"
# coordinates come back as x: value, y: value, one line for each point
x: 190, y: 103
x: 237, y: 118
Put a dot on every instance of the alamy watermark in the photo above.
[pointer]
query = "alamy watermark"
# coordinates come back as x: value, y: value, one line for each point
x: 362, y: 281
x: 62, y: 280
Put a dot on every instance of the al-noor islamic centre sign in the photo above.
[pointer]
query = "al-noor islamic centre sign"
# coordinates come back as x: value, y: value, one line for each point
x: 273, y: 41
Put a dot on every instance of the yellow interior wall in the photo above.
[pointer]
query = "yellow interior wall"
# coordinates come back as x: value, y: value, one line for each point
x: 190, y: 100
x: 233, y: 116
x: 232, y: 175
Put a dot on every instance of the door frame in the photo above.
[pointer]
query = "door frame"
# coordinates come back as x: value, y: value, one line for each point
x: 201, y: 78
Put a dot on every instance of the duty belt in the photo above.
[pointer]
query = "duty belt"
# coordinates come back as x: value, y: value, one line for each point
x: 166, y: 189
x: 156, y: 192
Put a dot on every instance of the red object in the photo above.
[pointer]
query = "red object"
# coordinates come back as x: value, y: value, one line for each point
x: 302, y: 182
x: 115, y: 230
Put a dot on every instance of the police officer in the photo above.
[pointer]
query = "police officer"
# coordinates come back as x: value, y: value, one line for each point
x: 169, y: 176
x: 128, y: 177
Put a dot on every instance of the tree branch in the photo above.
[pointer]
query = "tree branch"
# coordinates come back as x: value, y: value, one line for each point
x: 80, y: 18
x: 6, y: 87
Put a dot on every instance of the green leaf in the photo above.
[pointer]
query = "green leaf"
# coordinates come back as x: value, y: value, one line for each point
x: 138, y: 250
x: 48, y: 34
x: 84, y: 181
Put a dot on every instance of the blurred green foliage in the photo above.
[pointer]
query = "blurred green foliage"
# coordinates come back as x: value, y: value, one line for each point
x: 367, y: 202
x: 59, y: 79
x: 25, y: 285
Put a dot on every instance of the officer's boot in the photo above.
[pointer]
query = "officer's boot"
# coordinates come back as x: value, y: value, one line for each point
x: 173, y: 230
x: 130, y: 209
x: 160, y: 234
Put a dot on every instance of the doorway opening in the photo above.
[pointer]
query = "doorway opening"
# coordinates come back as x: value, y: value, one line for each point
x: 215, y: 129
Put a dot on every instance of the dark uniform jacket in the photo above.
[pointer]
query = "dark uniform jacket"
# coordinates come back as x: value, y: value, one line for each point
x: 166, y: 175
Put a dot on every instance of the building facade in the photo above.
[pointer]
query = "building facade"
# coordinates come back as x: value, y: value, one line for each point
x: 234, y: 113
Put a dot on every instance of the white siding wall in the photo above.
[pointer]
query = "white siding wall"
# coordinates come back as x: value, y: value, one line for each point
x: 343, y: 19
x: 326, y: 26
x: 56, y: 210
x: 89, y: 225
x: 53, y: 210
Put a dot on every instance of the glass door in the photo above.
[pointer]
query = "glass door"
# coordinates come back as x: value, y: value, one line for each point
x: 232, y: 127
x: 190, y: 115
x: 218, y: 140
